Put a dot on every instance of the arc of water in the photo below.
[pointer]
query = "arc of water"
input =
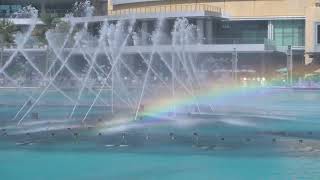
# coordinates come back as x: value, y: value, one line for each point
x: 49, y: 69
x: 111, y: 70
x: 94, y: 63
x: 43, y: 77
x: 11, y: 58
x: 143, y: 87
x: 93, y: 59
x: 15, y: 83
x: 155, y: 72
x: 174, y: 74
x: 49, y: 84
x: 26, y: 94
x: 117, y: 94
x: 121, y: 61
x: 182, y: 60
x: 155, y: 42
x: 126, y: 66
x: 58, y: 55
x: 96, y: 71
x: 112, y: 56
x: 193, y: 68
x: 26, y: 37
x: 122, y: 85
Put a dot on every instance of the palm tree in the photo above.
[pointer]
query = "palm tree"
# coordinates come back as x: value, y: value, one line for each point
x: 49, y: 22
x: 7, y: 31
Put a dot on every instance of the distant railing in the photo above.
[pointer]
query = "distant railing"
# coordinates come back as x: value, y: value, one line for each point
x: 58, y: 12
x: 166, y: 9
x: 165, y: 41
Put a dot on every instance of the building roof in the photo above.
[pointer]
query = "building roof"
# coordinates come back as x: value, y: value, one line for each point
x: 117, y: 2
x: 28, y: 2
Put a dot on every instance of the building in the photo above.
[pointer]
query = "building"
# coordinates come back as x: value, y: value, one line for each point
x: 276, y: 24
x: 260, y: 31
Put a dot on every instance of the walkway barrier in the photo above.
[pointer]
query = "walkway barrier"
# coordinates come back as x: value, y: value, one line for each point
x: 171, y: 8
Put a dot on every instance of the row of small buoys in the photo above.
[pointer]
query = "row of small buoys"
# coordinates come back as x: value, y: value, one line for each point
x: 172, y: 136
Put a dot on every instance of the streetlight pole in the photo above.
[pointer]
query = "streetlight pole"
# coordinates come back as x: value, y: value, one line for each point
x: 235, y: 65
x: 289, y: 65
x: 2, y: 51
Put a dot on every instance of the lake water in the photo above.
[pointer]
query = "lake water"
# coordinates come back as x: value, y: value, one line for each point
x: 270, y: 134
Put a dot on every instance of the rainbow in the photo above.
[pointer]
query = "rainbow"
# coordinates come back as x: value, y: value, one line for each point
x: 164, y: 105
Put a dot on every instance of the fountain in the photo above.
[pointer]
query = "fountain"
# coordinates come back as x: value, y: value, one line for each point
x: 117, y: 83
x: 125, y: 80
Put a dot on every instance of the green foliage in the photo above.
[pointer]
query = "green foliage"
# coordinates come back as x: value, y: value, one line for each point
x: 7, y: 31
x: 49, y: 22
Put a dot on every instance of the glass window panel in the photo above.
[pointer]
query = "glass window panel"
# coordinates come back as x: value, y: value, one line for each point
x: 318, y: 34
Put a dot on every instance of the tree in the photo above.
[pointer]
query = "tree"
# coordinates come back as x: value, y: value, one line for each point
x: 7, y: 31
x: 49, y: 22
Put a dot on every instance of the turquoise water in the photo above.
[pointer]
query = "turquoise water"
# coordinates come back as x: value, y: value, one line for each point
x: 248, y: 125
x: 113, y: 165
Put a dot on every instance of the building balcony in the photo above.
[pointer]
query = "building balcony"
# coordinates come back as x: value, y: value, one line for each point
x: 172, y: 10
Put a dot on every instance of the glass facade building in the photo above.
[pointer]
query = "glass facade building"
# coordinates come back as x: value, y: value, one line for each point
x: 289, y: 32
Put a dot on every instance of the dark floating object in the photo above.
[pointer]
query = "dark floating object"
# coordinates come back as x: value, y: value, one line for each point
x: 75, y: 134
x: 35, y: 116
x: 100, y: 134
x: 274, y: 140
x: 99, y: 120
x: 300, y: 141
x: 222, y: 139
x: 28, y: 134
x: 52, y: 134
x: 171, y: 136
x: 310, y: 132
x: 248, y: 139
x: 3, y: 129
x: 69, y: 129
x: 195, y: 134
x: 5, y: 134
